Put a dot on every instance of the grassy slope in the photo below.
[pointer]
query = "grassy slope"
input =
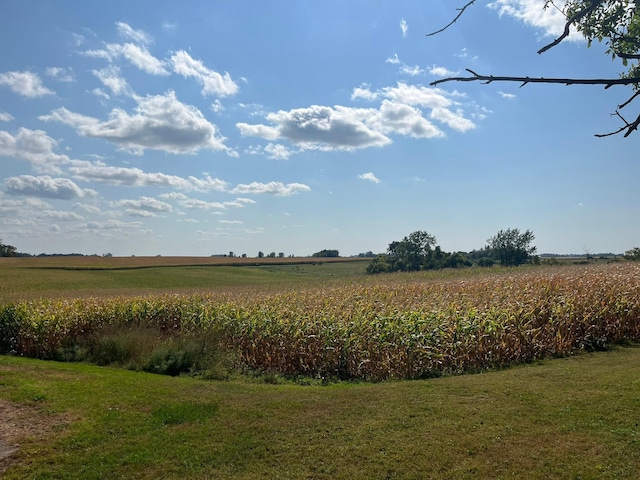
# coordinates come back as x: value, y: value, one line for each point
x: 567, y: 418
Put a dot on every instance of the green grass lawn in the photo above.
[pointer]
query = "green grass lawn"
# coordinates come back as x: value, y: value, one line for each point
x: 568, y: 418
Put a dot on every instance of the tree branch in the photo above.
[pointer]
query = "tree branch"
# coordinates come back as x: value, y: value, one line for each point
x: 629, y: 127
x: 607, y: 82
x: 454, y: 20
x: 570, y: 21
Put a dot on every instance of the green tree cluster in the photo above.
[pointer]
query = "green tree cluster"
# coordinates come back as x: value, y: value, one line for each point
x: 633, y: 254
x: 419, y: 251
x: 7, y: 250
x: 327, y: 253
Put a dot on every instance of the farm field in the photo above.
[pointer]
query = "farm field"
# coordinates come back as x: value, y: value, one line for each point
x: 286, y: 356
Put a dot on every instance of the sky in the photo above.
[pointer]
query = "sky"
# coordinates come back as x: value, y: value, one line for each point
x: 208, y: 127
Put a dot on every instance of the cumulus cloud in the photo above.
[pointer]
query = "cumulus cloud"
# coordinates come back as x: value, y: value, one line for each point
x: 403, y: 119
x: 550, y: 21
x: 137, y: 36
x: 364, y: 92
x: 62, y: 215
x: 159, y: 122
x: 231, y: 222
x: 128, y: 176
x: 369, y: 177
x: 61, y: 74
x: 35, y: 147
x: 5, y: 117
x: 45, y: 187
x: 272, y: 188
x: 277, y: 152
x: 440, y: 71
x: 196, y: 204
x: 27, y: 84
x: 346, y: 128
x: 143, y: 203
x: 508, y: 96
x: 136, y: 55
x: 319, y: 127
x: 213, y: 83
x: 411, y: 71
x: 110, y: 78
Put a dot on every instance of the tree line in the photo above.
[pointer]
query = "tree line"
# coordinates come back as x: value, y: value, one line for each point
x: 420, y: 251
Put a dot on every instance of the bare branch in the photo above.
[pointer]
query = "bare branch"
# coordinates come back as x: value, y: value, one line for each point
x: 570, y: 21
x: 454, y: 20
x: 629, y: 127
x: 633, y: 97
x: 608, y: 82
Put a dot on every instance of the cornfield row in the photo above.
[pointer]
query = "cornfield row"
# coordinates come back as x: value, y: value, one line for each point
x: 405, y: 328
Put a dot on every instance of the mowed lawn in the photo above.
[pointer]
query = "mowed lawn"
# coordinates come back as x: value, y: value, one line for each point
x: 567, y: 418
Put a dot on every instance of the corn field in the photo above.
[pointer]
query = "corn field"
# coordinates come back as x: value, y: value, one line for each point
x: 396, y: 326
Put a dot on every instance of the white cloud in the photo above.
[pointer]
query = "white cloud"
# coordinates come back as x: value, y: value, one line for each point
x: 364, y: 92
x: 345, y: 128
x: 532, y: 12
x: 272, y: 188
x: 412, y: 71
x: 137, y: 55
x: 62, y: 215
x: 217, y: 106
x: 277, y: 151
x: 440, y: 71
x: 231, y: 222
x: 5, y: 117
x: 212, y: 82
x: 126, y: 176
x: 35, y: 147
x: 262, y: 131
x: 45, y: 187
x: 61, y: 74
x: 129, y: 33
x: 319, y: 127
x: 404, y: 27
x: 110, y: 78
x: 141, y: 58
x: 393, y: 60
x: 26, y: 84
x: 403, y: 119
x: 143, y: 203
x: 370, y: 177
x: 508, y: 96
x: 159, y: 122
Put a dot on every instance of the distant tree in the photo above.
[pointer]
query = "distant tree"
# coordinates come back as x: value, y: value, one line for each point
x: 368, y: 254
x: 512, y: 248
x: 379, y: 264
x: 412, y: 253
x: 281, y: 255
x: 7, y: 250
x: 272, y: 255
x: 327, y: 253
x: 633, y: 254
x: 485, y: 262
x: 244, y: 255
x: 231, y: 254
x: 260, y: 254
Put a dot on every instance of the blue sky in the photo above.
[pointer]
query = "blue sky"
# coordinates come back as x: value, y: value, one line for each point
x: 204, y: 127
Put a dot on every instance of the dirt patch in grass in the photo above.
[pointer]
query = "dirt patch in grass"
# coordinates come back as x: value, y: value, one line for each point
x: 20, y: 422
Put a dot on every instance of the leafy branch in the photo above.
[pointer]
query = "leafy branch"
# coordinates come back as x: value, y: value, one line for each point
x: 612, y: 20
